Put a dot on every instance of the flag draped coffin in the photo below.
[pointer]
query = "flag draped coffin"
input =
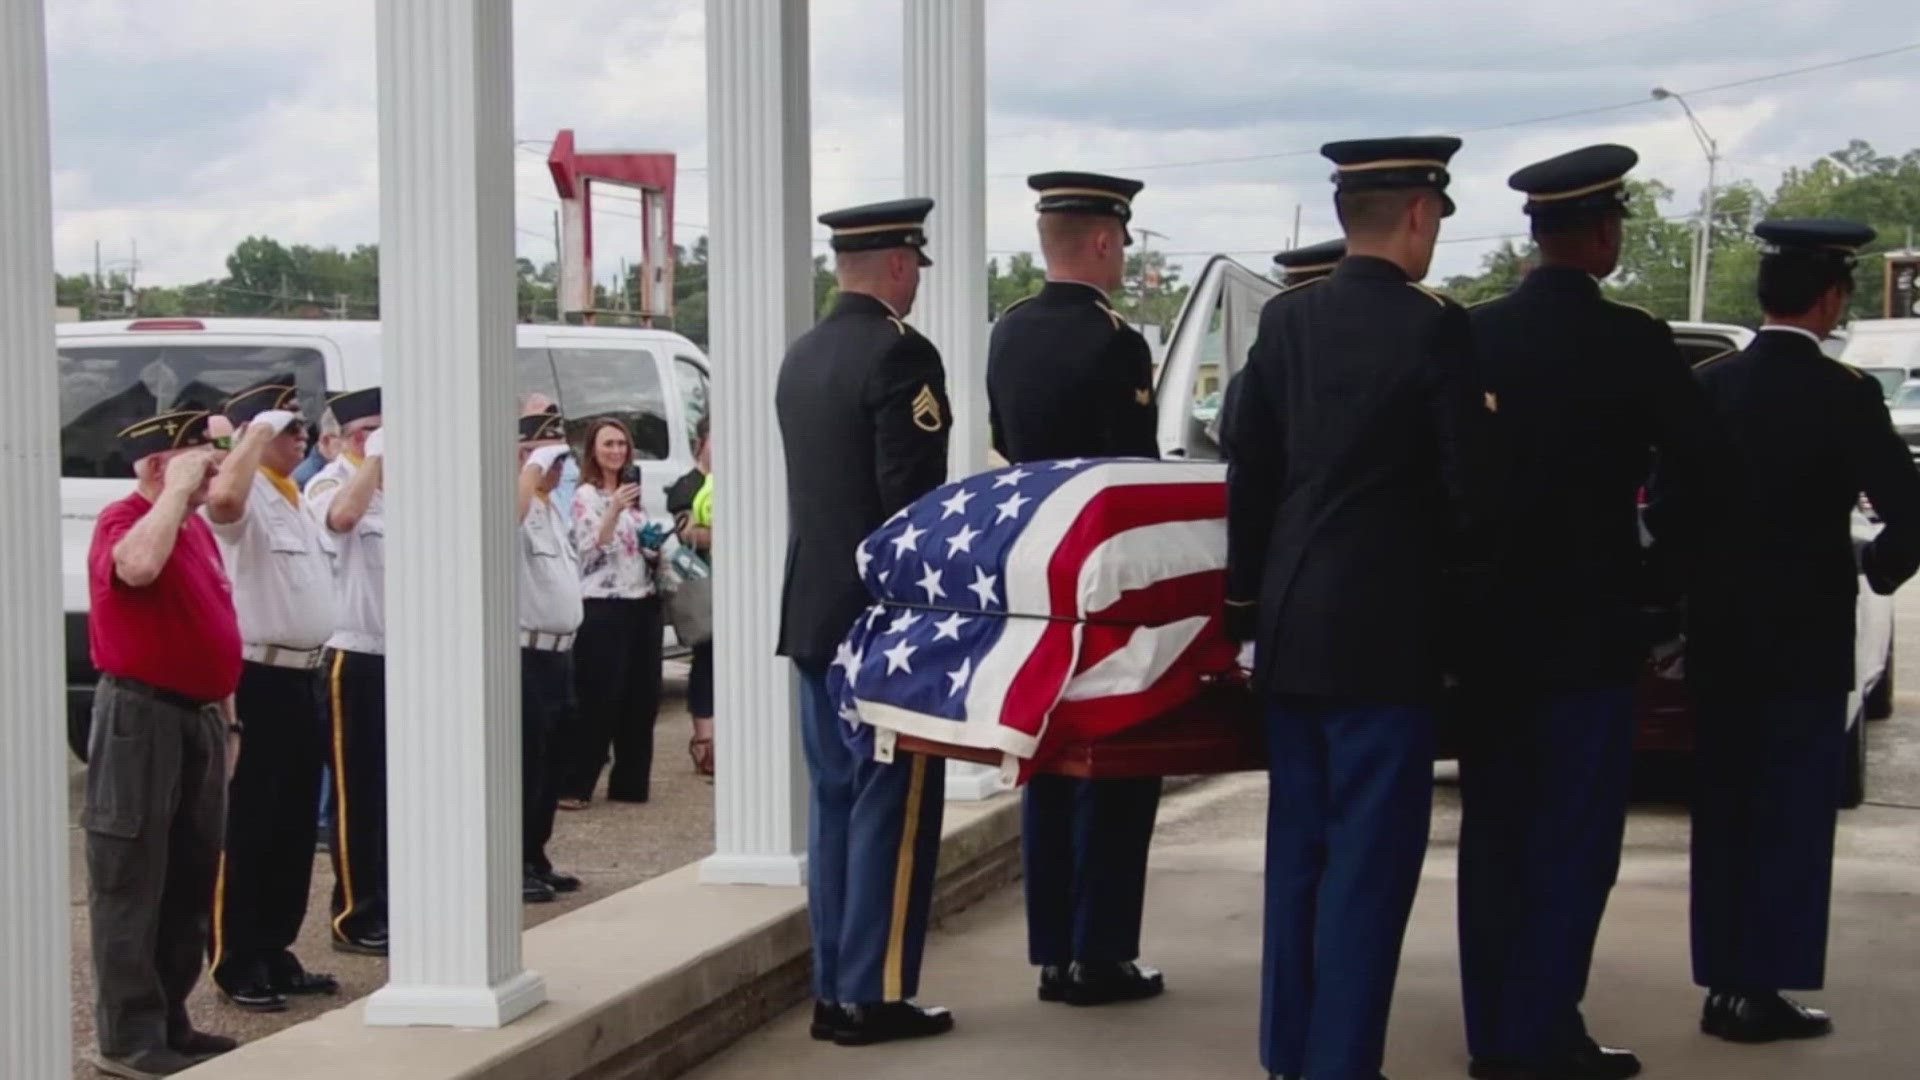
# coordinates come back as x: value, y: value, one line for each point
x: 1041, y: 604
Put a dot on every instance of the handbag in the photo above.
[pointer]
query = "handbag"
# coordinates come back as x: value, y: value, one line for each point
x: 688, y: 583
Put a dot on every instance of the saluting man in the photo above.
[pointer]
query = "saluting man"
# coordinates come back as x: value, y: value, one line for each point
x: 551, y: 609
x: 283, y: 591
x: 1068, y: 378
x: 1588, y: 391
x: 346, y: 499
x: 862, y: 402
x: 1770, y: 632
x: 1297, y: 266
x: 1355, y: 481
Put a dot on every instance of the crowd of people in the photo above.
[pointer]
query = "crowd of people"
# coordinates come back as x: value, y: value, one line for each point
x: 1425, y: 503
x: 238, y: 622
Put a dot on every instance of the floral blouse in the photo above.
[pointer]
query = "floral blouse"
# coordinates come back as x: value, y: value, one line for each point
x: 622, y: 568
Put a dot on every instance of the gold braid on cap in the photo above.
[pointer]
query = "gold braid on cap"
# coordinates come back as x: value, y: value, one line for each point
x: 1556, y: 196
x: 865, y: 230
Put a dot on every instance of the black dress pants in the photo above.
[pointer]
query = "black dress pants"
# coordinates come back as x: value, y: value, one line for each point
x: 617, y: 677
x: 546, y: 694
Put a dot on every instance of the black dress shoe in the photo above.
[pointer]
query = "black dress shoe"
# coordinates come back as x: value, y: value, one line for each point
x: 371, y: 943
x: 255, y: 995
x: 145, y: 1065
x: 535, y: 891
x: 1104, y: 984
x: 200, y: 1044
x: 829, y: 1019
x: 1054, y: 981
x: 559, y: 882
x: 1761, y: 1017
x: 1596, y: 1062
x: 290, y: 978
x: 889, y: 1020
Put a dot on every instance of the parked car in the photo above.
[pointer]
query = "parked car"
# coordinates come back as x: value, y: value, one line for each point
x: 1887, y: 349
x: 1209, y: 344
x: 114, y: 373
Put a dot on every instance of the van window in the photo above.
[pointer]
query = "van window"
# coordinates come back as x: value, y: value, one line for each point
x: 1696, y: 348
x: 534, y: 371
x: 693, y: 394
x: 622, y: 383
x: 105, y: 388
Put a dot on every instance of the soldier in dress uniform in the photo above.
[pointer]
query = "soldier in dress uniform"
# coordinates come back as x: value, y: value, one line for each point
x: 1587, y: 391
x: 862, y: 403
x: 1770, y: 632
x: 1068, y: 378
x: 346, y: 499
x: 283, y: 592
x: 1357, y: 470
x: 1297, y: 266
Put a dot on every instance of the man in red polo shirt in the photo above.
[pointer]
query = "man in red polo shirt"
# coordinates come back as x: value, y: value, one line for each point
x: 167, y: 644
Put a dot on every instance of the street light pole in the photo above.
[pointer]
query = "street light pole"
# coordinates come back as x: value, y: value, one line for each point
x: 1703, y: 237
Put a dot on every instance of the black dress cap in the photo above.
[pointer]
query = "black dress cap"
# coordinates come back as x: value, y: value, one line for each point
x: 1412, y: 161
x: 168, y: 431
x: 1591, y: 179
x: 354, y: 405
x: 1314, y: 260
x: 272, y: 392
x: 542, y: 427
x: 881, y: 225
x: 1828, y: 238
x: 1086, y: 193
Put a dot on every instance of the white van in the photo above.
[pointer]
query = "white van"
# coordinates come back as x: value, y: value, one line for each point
x: 114, y: 373
x: 1887, y: 349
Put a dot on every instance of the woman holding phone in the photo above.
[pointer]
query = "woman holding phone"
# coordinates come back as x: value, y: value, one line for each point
x: 617, y: 653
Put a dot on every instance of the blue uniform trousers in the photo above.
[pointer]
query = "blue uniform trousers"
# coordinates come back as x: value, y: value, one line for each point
x: 1544, y: 782
x: 872, y: 841
x: 1351, y: 794
x: 1084, y: 844
x: 1764, y: 809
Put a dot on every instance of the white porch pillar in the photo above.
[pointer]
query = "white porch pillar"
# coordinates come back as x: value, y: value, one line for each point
x: 35, y: 1039
x: 453, y: 667
x: 761, y: 270
x: 946, y: 123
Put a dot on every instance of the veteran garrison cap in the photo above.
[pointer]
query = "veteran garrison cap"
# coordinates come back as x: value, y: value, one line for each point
x: 881, y: 225
x: 1827, y: 239
x: 168, y: 431
x: 1303, y: 264
x: 1590, y: 180
x: 542, y: 427
x: 1086, y: 193
x: 354, y: 405
x: 1412, y: 161
x: 272, y: 392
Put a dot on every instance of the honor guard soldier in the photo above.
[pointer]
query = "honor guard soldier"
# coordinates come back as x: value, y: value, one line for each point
x: 346, y: 499
x: 862, y: 402
x: 1068, y: 378
x: 551, y: 609
x: 1356, y: 480
x: 1296, y: 266
x: 283, y: 591
x: 1587, y: 391
x: 1770, y: 632
x: 166, y: 641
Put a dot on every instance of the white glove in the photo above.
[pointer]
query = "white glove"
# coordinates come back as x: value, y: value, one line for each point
x: 545, y: 457
x: 376, y: 443
x: 277, y: 419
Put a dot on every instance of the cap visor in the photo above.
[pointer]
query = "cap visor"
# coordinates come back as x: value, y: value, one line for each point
x: 924, y: 261
x: 1446, y: 205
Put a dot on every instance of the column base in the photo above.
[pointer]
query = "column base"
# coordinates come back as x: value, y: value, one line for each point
x: 790, y: 870
x: 457, y: 1006
x: 971, y: 782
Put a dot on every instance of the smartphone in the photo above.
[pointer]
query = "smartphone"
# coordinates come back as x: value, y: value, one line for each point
x: 630, y: 474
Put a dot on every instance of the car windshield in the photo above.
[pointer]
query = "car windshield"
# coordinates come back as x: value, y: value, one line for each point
x: 1890, y: 378
x: 1908, y: 397
x: 624, y: 383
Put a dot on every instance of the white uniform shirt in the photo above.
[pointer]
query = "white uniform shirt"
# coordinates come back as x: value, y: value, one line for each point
x: 549, y: 573
x: 282, y: 575
x: 360, y: 562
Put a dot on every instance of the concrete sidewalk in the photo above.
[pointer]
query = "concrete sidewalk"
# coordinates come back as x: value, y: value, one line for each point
x: 1204, y: 929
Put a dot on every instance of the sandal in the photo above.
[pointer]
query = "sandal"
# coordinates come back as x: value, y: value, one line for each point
x: 700, y: 749
x: 572, y: 804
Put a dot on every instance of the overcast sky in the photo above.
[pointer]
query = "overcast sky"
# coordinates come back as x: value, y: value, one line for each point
x: 185, y: 125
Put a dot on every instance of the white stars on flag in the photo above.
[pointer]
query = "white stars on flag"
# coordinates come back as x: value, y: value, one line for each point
x: 930, y: 584
x: 960, y: 675
x: 907, y: 539
x: 903, y: 622
x: 948, y: 629
x: 956, y: 504
x: 983, y: 587
x: 898, y: 656
x: 962, y: 541
x: 862, y: 558
x: 1069, y: 463
x: 1011, y: 508
x: 1011, y: 479
x: 847, y: 659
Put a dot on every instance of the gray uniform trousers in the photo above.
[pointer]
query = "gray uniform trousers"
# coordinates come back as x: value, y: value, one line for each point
x: 156, y: 810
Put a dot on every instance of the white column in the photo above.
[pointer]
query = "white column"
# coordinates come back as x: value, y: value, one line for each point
x: 35, y: 1039
x: 453, y: 675
x: 946, y: 124
x: 761, y: 270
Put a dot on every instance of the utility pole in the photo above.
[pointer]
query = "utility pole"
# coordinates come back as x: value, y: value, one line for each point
x: 1295, y: 242
x: 1703, y: 241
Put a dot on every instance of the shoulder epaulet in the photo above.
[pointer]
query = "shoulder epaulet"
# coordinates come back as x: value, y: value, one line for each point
x: 1715, y: 358
x: 1298, y: 285
x: 1119, y: 323
x: 1631, y: 307
x: 1484, y: 302
x: 898, y: 325
x: 1428, y: 293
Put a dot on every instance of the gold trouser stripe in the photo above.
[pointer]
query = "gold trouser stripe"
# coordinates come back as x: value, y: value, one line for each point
x: 219, y: 915
x: 344, y: 856
x: 894, y: 987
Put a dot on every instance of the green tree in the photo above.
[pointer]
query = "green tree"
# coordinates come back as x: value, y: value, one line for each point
x: 1151, y: 292
x: 1022, y: 279
x: 1500, y: 270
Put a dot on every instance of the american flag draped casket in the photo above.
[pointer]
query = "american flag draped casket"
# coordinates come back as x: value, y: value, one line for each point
x: 1036, y: 605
